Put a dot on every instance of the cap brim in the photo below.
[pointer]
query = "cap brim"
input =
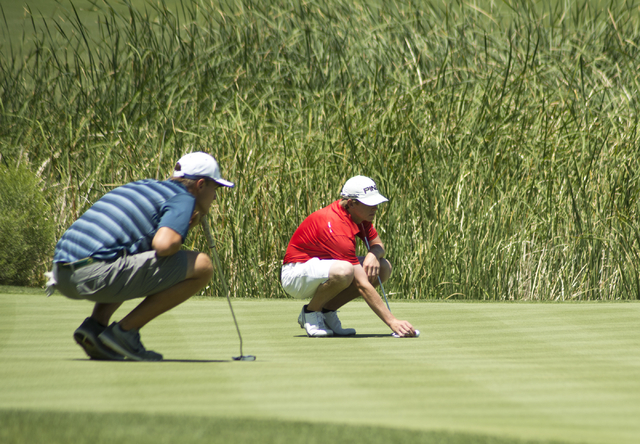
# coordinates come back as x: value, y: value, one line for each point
x: 375, y: 199
x: 225, y: 183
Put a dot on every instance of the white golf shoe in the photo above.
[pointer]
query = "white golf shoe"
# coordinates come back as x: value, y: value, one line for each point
x: 314, y: 324
x: 333, y: 322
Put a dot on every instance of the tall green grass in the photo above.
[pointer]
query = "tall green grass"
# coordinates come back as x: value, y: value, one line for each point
x: 503, y: 133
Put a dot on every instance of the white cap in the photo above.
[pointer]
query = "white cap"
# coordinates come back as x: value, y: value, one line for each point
x: 200, y: 165
x: 363, y: 190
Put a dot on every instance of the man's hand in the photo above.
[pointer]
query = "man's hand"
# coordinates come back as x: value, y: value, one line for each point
x: 402, y: 328
x: 371, y: 266
x: 371, y: 262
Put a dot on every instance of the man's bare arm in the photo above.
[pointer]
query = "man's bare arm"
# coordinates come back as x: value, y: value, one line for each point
x: 375, y: 302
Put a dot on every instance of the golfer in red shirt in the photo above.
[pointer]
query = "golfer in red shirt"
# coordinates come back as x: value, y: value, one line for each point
x: 321, y: 263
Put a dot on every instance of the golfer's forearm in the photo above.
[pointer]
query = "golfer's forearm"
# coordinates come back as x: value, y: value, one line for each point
x: 374, y: 301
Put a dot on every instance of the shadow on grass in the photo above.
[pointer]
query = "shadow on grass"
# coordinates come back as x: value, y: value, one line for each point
x: 365, y: 336
x: 191, y: 361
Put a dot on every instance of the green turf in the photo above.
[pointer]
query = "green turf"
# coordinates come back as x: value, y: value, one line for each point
x: 64, y: 428
x: 480, y: 372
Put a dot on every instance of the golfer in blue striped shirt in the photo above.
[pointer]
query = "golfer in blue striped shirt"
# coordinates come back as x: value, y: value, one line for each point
x: 128, y: 246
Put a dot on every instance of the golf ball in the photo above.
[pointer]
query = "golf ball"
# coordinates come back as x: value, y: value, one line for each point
x: 396, y: 335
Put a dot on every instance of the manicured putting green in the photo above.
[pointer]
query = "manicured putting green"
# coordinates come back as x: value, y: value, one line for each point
x: 480, y: 372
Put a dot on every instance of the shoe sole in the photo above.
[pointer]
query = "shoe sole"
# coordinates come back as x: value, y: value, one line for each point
x: 328, y: 334
x: 93, y: 350
x: 318, y: 336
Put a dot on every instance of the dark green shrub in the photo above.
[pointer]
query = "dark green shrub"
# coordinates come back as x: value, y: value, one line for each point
x: 26, y: 228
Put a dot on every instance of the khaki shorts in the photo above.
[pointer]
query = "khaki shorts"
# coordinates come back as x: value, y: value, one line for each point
x: 128, y: 277
x: 301, y: 279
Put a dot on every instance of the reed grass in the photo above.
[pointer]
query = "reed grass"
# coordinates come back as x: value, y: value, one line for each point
x: 504, y: 134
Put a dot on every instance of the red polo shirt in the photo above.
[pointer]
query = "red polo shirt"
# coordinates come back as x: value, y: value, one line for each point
x: 328, y: 233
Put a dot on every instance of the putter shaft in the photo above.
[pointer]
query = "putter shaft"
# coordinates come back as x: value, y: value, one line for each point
x: 216, y: 258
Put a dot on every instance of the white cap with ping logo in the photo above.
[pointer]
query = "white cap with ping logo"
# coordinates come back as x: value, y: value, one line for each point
x: 363, y: 190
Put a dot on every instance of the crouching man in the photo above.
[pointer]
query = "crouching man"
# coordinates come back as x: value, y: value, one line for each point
x: 321, y: 263
x: 128, y: 246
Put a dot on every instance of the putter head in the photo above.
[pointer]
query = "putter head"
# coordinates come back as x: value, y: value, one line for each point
x: 244, y: 358
x: 395, y: 335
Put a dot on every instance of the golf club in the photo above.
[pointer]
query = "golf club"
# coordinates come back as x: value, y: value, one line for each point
x: 394, y: 334
x: 214, y: 254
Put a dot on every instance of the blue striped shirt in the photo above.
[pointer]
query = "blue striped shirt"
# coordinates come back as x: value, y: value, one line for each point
x: 125, y: 220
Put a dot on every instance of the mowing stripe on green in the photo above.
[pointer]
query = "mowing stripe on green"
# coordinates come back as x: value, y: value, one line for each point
x: 139, y: 428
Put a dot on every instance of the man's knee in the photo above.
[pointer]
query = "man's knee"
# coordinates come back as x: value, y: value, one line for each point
x: 341, y: 272
x: 203, y: 267
x: 385, y: 270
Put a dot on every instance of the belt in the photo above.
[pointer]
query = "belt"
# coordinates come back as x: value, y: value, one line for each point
x: 78, y: 264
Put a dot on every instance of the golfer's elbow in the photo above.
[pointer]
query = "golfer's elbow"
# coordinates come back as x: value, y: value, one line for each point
x: 166, y: 242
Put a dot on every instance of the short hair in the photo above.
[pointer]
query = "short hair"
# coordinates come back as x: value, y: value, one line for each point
x: 188, y: 183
